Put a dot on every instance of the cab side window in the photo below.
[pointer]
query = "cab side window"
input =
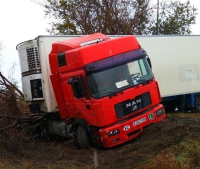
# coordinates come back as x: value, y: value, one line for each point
x: 79, y: 88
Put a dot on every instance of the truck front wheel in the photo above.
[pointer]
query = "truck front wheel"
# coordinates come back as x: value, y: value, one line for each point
x: 83, y: 138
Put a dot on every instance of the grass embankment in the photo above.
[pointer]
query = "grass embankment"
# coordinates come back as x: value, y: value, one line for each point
x: 174, y: 144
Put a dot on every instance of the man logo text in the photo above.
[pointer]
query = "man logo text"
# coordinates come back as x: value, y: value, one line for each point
x: 133, y: 103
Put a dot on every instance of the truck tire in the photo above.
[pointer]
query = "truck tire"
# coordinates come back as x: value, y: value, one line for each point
x: 83, y: 138
x: 197, y: 103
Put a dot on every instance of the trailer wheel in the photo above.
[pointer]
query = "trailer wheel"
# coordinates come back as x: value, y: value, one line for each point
x: 83, y: 138
x: 197, y: 102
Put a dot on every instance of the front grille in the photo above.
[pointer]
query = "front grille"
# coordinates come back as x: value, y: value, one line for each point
x: 129, y: 106
x: 33, y: 58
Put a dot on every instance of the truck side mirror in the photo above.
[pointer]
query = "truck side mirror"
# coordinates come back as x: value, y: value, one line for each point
x: 76, y: 86
x: 149, y: 62
x: 70, y: 80
x: 85, y: 92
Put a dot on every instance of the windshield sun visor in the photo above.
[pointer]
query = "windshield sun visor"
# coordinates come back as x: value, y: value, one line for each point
x: 114, y: 61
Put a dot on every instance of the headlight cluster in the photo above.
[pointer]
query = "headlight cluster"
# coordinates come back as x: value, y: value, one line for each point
x: 113, y: 133
x: 160, y: 112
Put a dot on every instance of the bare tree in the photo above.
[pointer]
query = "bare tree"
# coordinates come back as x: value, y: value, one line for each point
x: 1, y: 60
x: 174, y: 18
x: 11, y: 113
x: 106, y: 16
x: 118, y: 16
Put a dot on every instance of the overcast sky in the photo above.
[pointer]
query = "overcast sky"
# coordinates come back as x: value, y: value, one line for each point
x: 22, y: 20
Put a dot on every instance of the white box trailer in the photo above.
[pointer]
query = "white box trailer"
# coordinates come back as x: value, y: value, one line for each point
x: 175, y: 64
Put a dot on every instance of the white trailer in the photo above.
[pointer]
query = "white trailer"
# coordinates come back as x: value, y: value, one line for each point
x: 176, y: 66
x: 175, y: 61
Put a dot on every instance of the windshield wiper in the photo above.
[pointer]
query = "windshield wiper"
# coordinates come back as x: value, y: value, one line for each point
x: 143, y: 81
x: 115, y: 94
x: 111, y: 94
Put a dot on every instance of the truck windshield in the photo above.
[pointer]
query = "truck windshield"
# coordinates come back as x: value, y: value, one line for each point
x: 126, y: 73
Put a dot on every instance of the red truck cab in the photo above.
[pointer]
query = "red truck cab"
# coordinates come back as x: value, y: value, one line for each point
x: 104, y: 88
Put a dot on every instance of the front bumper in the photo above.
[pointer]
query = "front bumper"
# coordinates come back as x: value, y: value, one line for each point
x: 132, y: 127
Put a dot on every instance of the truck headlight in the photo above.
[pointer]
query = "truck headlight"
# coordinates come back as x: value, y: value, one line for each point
x: 160, y: 112
x: 112, y: 133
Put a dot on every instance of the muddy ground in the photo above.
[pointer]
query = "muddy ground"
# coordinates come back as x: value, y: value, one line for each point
x: 173, y: 144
